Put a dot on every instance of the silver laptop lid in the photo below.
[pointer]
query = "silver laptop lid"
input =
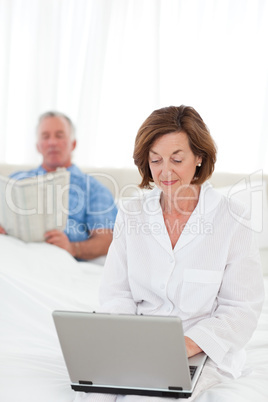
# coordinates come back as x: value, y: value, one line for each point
x: 123, y: 350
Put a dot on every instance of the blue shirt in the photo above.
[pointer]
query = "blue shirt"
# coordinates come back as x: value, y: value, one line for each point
x: 91, y: 205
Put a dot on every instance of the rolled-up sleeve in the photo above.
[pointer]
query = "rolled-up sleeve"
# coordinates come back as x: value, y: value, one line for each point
x: 101, y: 209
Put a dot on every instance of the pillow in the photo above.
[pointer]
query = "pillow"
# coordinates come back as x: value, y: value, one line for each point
x: 252, y: 191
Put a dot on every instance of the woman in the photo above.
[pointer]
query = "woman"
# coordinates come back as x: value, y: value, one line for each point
x: 182, y: 250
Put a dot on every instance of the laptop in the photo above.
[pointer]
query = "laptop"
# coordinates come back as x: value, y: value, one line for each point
x: 127, y: 354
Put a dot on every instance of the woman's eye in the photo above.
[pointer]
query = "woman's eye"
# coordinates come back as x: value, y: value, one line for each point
x: 155, y: 161
x: 177, y: 161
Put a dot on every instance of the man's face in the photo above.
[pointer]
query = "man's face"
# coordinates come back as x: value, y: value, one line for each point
x: 54, y: 142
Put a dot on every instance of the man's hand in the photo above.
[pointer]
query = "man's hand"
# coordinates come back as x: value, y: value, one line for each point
x: 2, y: 230
x: 59, y: 239
x: 96, y: 246
x: 191, y: 347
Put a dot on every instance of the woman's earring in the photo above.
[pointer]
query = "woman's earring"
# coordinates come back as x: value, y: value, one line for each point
x: 199, y: 165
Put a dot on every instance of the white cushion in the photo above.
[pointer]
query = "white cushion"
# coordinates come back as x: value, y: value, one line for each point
x: 252, y: 191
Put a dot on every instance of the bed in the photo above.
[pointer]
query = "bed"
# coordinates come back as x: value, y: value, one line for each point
x: 37, y: 278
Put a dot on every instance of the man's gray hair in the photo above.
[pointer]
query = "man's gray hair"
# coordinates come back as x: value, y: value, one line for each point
x: 58, y: 114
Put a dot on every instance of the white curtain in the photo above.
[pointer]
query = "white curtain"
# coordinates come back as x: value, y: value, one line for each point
x: 109, y: 63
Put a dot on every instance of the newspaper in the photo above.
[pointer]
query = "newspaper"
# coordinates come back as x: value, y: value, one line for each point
x: 30, y: 207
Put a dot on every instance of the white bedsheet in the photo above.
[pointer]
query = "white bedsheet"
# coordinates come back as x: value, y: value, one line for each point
x: 37, y: 278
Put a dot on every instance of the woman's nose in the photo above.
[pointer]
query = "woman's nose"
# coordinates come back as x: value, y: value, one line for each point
x: 166, y: 169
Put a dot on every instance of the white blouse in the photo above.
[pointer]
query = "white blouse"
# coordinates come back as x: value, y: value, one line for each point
x: 212, y: 279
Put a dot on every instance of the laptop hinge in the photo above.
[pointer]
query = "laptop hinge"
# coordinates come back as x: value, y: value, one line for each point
x: 85, y: 382
x: 175, y: 388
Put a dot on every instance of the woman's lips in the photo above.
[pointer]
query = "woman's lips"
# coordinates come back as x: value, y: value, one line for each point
x: 169, y: 183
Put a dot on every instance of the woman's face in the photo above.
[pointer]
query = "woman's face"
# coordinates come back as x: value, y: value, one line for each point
x: 172, y: 162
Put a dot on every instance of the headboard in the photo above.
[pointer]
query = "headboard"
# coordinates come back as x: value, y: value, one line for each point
x: 123, y: 182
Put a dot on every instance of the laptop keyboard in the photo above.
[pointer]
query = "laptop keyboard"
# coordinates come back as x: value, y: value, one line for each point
x: 192, y: 370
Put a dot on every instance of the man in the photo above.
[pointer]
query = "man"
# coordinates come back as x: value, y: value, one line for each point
x: 92, y: 211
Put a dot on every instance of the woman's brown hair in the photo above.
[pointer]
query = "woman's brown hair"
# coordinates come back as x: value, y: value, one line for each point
x: 169, y: 120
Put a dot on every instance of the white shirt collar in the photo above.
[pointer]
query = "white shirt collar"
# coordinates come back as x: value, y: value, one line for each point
x: 208, y: 200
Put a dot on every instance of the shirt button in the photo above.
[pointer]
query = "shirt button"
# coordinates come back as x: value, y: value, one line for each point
x: 162, y: 286
x: 171, y: 259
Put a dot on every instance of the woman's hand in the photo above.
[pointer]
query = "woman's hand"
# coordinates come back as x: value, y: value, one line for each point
x: 191, y: 347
